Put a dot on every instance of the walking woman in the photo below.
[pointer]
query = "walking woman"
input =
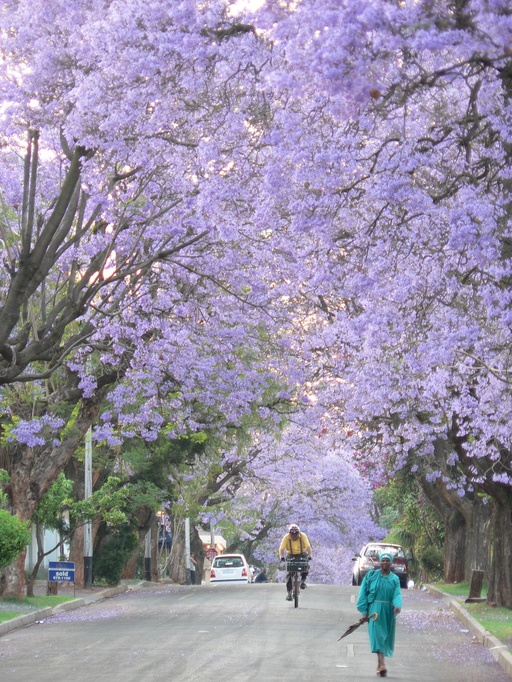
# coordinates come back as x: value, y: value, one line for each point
x: 380, y: 593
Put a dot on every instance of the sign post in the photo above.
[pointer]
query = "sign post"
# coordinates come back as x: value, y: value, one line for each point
x: 61, y: 572
x: 211, y: 553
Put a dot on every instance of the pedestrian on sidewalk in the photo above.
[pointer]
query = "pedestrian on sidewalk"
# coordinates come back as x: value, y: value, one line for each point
x: 192, y: 570
x: 380, y: 593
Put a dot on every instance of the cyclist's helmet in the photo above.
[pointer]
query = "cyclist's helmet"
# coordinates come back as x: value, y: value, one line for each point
x: 294, y: 530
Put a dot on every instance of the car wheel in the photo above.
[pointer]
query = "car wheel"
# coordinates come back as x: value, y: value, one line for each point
x: 354, y: 581
x: 359, y: 579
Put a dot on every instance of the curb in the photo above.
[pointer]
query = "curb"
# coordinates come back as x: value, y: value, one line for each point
x: 41, y: 614
x: 499, y: 651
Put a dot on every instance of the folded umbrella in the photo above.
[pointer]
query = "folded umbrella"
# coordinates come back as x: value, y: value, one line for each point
x: 362, y: 620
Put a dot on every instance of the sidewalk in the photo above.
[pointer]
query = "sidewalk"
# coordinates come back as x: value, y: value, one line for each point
x: 82, y: 597
x: 498, y: 649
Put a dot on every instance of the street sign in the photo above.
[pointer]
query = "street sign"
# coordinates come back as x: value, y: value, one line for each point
x: 211, y: 553
x: 61, y: 571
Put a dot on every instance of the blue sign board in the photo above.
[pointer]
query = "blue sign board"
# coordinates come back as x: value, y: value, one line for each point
x: 61, y: 571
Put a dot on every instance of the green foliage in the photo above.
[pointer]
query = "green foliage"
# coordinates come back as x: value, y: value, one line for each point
x: 71, y: 422
x: 110, y: 558
x: 413, y: 523
x: 430, y: 561
x: 4, y: 479
x: 49, y: 510
x: 14, y: 537
x: 110, y: 502
x: 152, y: 461
x: 147, y: 470
x: 115, y: 503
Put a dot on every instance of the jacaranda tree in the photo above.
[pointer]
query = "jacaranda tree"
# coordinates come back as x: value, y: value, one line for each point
x: 204, y: 202
x: 405, y: 164
x: 131, y: 146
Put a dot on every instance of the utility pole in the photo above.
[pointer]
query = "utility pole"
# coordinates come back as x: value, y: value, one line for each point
x: 187, y: 548
x: 88, y: 524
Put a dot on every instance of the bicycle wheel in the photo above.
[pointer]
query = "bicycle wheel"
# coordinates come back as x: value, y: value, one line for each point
x: 296, y: 589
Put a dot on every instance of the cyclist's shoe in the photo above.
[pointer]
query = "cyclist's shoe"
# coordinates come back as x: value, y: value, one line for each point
x: 289, y: 596
x: 303, y: 585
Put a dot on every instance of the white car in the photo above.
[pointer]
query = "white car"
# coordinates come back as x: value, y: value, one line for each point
x: 230, y: 568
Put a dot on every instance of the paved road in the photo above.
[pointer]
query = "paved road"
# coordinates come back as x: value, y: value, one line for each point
x: 240, y: 633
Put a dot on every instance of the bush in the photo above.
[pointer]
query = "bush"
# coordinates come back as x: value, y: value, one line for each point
x: 14, y: 537
x: 430, y: 560
x: 109, y: 560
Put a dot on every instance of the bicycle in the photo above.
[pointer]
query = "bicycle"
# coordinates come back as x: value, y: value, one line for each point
x: 295, y: 567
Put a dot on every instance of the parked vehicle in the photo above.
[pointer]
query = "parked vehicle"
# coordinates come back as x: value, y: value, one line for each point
x: 230, y: 568
x: 368, y: 559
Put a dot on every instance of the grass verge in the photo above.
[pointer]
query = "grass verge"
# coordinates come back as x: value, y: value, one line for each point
x: 497, y: 620
x: 458, y: 589
x: 11, y: 608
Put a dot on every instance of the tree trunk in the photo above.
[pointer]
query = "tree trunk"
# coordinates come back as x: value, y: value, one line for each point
x: 454, y: 547
x: 146, y: 518
x: 454, y: 553
x: 76, y: 554
x: 499, y: 592
x: 130, y: 568
x: 32, y: 471
x: 196, y: 547
x: 178, y: 571
x: 475, y: 526
x: 466, y: 524
x: 478, y: 516
x: 14, y: 578
x: 23, y: 500
x: 40, y: 556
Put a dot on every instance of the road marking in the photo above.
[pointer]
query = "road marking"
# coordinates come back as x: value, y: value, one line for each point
x: 350, y: 651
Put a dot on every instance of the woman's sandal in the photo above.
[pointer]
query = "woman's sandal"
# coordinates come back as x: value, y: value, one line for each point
x: 383, y: 672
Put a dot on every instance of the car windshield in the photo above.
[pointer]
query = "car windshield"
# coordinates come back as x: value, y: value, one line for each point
x: 233, y: 562
x: 374, y: 551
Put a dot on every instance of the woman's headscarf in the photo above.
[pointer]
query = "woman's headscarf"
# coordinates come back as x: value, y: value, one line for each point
x: 386, y: 555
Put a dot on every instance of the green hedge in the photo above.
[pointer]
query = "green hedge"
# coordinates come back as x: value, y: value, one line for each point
x: 14, y: 537
x: 110, y: 558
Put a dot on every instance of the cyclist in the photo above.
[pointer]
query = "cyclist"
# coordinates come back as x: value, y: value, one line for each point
x: 296, y: 545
